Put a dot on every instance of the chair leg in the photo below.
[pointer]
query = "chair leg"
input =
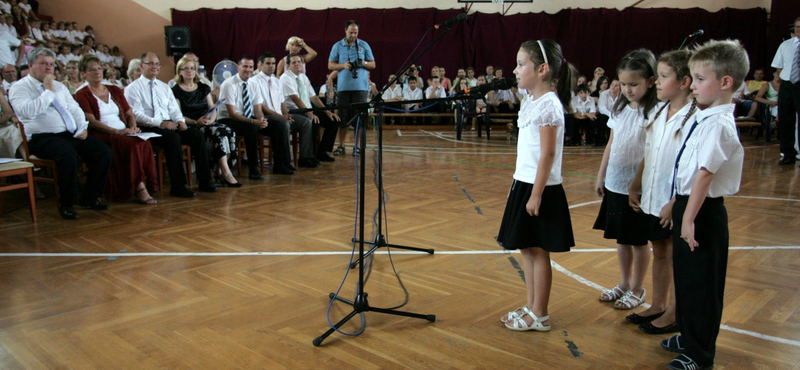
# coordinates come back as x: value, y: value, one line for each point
x: 160, y: 163
x: 31, y: 195
x: 188, y: 159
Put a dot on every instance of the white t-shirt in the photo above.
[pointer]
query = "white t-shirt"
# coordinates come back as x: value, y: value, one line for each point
x: 627, y: 148
x: 545, y: 111
x: 440, y: 93
x: 109, y: 113
x: 390, y: 93
x: 583, y: 106
x: 662, y: 141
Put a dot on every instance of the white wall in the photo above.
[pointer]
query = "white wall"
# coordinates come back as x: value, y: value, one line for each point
x: 162, y: 7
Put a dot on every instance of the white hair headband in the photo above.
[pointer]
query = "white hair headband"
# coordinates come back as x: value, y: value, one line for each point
x: 543, y: 53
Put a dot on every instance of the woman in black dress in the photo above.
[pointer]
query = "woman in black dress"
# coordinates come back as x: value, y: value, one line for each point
x: 195, y: 101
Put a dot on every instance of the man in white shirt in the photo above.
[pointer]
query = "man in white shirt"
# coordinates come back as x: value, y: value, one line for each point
x: 412, y: 92
x: 787, y: 62
x: 6, y: 42
x: 242, y: 112
x: 299, y: 94
x: 277, y: 113
x: 57, y: 130
x: 156, y: 110
x: 393, y: 96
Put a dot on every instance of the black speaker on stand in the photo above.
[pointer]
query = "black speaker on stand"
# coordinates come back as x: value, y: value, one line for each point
x: 178, y: 40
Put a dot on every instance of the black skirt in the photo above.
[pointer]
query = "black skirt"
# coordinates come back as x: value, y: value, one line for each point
x: 620, y: 221
x: 551, y: 230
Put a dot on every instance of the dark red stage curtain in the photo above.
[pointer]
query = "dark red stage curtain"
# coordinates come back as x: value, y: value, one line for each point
x: 589, y: 37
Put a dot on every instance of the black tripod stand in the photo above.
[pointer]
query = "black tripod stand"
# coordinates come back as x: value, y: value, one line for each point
x: 360, y: 304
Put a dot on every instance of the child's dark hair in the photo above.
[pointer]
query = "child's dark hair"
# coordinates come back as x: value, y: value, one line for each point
x: 644, y: 62
x: 560, y: 70
x: 678, y: 60
x: 582, y: 88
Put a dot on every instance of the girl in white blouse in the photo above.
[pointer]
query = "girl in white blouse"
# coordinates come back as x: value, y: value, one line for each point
x: 621, y: 159
x: 536, y: 220
x: 664, y: 136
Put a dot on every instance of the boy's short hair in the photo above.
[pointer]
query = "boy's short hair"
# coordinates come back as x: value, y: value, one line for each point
x: 583, y: 88
x: 725, y: 58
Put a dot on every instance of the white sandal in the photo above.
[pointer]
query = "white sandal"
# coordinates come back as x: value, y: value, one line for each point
x: 519, y: 324
x: 630, y: 301
x: 615, y: 294
x: 512, y: 315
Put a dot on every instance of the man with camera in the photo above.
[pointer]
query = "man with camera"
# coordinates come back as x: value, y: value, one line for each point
x: 351, y: 57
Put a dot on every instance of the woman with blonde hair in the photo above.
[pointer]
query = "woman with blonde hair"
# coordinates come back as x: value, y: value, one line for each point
x: 293, y: 46
x: 73, y: 80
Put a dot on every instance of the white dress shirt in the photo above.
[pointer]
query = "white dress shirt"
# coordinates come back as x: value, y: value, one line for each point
x: 606, y: 103
x: 583, y: 106
x: 34, y: 107
x: 627, y: 148
x: 6, y: 42
x: 271, y: 91
x: 784, y: 57
x: 231, y: 91
x: 391, y: 93
x: 440, y: 93
x: 662, y: 141
x: 415, y: 94
x: 545, y: 111
x: 289, y: 86
x: 714, y: 145
x: 139, y: 97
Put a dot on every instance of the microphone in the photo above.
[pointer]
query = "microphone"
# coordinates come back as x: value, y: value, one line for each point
x: 501, y: 84
x: 458, y: 19
x: 698, y: 33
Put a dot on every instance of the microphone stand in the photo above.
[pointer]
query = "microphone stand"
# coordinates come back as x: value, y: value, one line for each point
x: 360, y: 303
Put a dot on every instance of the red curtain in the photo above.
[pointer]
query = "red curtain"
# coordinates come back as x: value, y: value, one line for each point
x: 589, y: 37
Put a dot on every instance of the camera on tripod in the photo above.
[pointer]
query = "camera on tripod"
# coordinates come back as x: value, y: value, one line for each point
x: 358, y: 63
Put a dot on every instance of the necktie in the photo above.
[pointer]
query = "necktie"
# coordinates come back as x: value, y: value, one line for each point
x: 795, y: 77
x: 301, y: 90
x: 68, y: 122
x: 157, y: 112
x: 678, y: 159
x: 248, y: 107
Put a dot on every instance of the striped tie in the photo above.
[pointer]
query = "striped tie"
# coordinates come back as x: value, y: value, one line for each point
x: 248, y: 108
x: 155, y: 100
x: 795, y: 77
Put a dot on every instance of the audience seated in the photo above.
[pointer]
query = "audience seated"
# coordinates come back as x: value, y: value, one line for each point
x: 195, y: 102
x: 57, y: 130
x: 134, y: 71
x: 299, y: 94
x: 27, y: 11
x: 435, y: 91
x: 9, y: 19
x: 10, y: 135
x: 411, y: 73
x: 743, y: 98
x: 605, y: 106
x: 7, y: 41
x: 242, y: 112
x: 489, y: 73
x: 584, y: 112
x: 5, y: 7
x: 445, y: 82
x: 602, y: 85
x: 293, y: 46
x: 598, y: 72
x: 412, y: 92
x: 133, y: 170
x: 20, y: 22
x: 393, y: 96
x: 471, y: 77
x: 768, y: 94
x: 156, y: 110
x: 434, y: 72
x: 9, y: 77
x: 502, y: 101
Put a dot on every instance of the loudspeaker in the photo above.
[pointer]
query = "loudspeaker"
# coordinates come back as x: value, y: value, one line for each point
x: 178, y: 40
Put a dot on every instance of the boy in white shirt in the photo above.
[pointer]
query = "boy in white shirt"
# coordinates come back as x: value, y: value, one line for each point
x: 412, y: 92
x: 393, y: 94
x: 435, y: 91
x: 708, y: 167
x: 585, y: 113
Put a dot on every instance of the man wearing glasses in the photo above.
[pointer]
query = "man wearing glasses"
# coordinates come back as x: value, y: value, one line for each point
x: 157, y: 111
x: 9, y: 76
x: 56, y: 128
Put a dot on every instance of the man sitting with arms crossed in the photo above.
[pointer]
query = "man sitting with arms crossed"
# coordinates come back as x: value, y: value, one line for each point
x: 299, y: 94
x: 57, y: 130
x: 243, y: 113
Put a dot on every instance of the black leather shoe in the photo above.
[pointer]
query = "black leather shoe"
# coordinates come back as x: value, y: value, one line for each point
x: 182, y: 193
x: 290, y: 167
x: 255, y: 175
x: 68, y: 213
x: 209, y: 188
x: 787, y: 160
x: 282, y: 170
x: 324, y: 157
x: 649, y: 328
x: 638, y: 320
x: 96, y: 205
x: 307, y: 163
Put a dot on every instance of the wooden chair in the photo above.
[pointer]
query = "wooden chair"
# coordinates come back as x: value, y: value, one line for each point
x: 14, y: 169
x: 265, y: 143
x: 44, y: 164
x: 161, y: 160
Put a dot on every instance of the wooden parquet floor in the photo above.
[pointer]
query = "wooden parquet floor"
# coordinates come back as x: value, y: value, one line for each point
x: 240, y: 279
